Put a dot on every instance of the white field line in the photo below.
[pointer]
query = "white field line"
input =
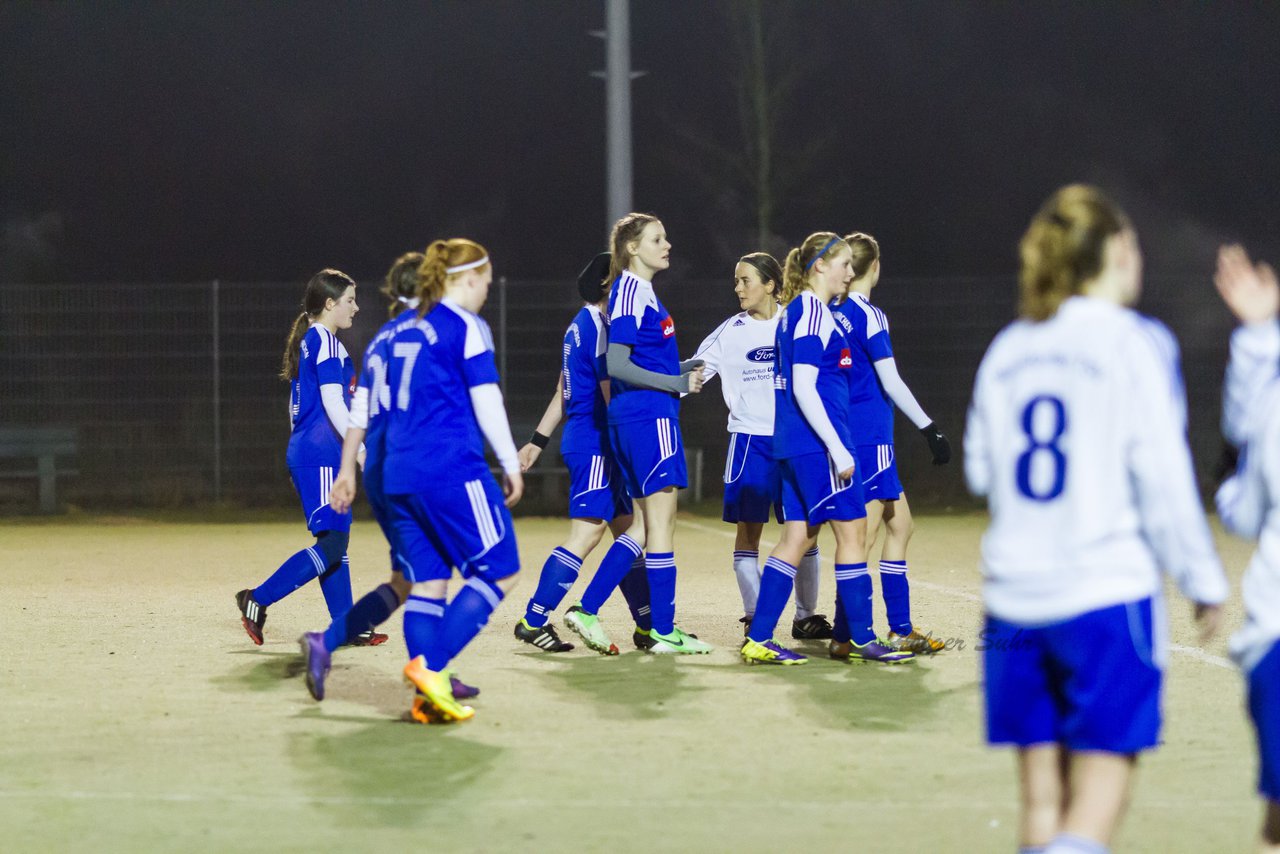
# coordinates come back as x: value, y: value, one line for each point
x: 266, y: 799
x: 1189, y: 651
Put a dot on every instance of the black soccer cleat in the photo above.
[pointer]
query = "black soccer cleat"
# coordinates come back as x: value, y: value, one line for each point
x: 544, y: 638
x: 252, y: 615
x: 812, y: 627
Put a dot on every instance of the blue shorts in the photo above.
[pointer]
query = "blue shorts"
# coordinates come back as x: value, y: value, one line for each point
x: 1264, y: 708
x: 382, y: 511
x: 457, y: 525
x: 879, y: 472
x: 1088, y: 683
x: 313, y: 484
x: 813, y: 492
x: 650, y: 455
x: 595, y: 487
x: 750, y: 479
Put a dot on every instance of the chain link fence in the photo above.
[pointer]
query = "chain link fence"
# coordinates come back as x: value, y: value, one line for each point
x: 172, y: 392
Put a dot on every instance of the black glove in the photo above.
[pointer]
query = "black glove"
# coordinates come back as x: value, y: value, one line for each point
x: 938, y: 444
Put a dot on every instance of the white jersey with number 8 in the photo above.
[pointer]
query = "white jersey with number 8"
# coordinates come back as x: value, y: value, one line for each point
x: 1077, y: 436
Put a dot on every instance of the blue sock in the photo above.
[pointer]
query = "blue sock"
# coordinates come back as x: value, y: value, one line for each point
x: 616, y: 564
x: 371, y: 611
x: 422, y: 618
x: 776, y: 582
x: 558, y: 575
x: 897, y: 595
x: 853, y: 586
x: 635, y: 589
x: 292, y: 574
x: 660, y: 567
x: 336, y: 586
x: 466, y: 615
x: 840, y: 625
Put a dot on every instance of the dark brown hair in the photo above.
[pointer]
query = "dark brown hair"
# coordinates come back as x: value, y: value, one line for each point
x: 324, y: 286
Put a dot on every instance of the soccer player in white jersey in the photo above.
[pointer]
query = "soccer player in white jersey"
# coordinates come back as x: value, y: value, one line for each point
x: 1076, y: 435
x: 875, y: 388
x: 320, y: 376
x: 740, y: 352
x: 598, y: 500
x: 817, y: 471
x: 1248, y: 506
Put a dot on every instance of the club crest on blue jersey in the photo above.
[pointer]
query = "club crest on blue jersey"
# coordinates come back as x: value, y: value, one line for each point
x: 760, y: 354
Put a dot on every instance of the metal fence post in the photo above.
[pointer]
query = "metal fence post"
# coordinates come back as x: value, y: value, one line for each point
x: 502, y: 335
x: 217, y: 394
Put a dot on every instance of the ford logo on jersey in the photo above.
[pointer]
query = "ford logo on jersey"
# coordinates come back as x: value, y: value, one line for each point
x: 668, y: 327
x: 760, y: 354
x: 846, y: 358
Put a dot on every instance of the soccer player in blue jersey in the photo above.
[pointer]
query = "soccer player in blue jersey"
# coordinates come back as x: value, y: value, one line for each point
x: 812, y: 359
x: 369, y: 406
x: 320, y: 376
x: 598, y: 500
x: 875, y: 387
x: 1077, y: 436
x: 1247, y: 503
x: 646, y: 381
x: 446, y: 510
x: 740, y: 352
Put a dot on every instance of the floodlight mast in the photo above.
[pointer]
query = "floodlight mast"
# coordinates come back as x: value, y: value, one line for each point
x: 617, y: 76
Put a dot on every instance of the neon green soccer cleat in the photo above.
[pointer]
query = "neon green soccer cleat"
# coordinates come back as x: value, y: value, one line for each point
x: 587, y: 626
x: 769, y: 652
x: 679, y: 642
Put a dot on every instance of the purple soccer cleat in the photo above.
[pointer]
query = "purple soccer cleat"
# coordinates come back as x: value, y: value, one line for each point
x: 461, y: 690
x: 315, y: 659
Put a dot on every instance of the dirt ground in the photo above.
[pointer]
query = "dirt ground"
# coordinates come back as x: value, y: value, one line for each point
x: 135, y: 715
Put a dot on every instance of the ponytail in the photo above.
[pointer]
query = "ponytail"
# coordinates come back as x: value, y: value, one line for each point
x: 434, y: 273
x: 800, y: 261
x: 289, y: 365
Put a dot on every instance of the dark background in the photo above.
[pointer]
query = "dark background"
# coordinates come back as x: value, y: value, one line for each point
x: 148, y: 149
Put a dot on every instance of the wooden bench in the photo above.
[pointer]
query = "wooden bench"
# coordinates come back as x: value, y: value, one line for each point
x: 45, y: 445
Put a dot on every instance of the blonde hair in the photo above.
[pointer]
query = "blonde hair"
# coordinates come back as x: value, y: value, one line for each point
x: 1063, y: 248
x: 326, y: 285
x: 434, y: 273
x: 800, y: 261
x: 625, y: 231
x: 866, y: 252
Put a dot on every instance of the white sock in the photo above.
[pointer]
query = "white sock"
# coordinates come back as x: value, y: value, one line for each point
x: 746, y: 566
x: 1069, y: 843
x: 807, y: 584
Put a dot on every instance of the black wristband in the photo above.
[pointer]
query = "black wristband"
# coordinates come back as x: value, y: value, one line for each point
x: 538, y: 440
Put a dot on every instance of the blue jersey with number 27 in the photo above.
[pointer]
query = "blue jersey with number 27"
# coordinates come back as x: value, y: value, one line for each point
x: 432, y: 434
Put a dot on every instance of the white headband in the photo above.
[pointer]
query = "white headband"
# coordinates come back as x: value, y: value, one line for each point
x: 464, y: 267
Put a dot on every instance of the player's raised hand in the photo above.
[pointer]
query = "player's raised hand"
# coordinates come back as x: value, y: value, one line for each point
x: 1209, y: 618
x: 1249, y: 290
x: 343, y: 491
x: 512, y: 488
x: 528, y: 455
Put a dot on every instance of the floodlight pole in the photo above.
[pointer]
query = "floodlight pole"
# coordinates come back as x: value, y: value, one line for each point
x: 617, y: 76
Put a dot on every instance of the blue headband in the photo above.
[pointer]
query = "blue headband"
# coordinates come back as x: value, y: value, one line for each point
x: 830, y: 243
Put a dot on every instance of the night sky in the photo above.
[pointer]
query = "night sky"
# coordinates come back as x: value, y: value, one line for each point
x: 259, y: 141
